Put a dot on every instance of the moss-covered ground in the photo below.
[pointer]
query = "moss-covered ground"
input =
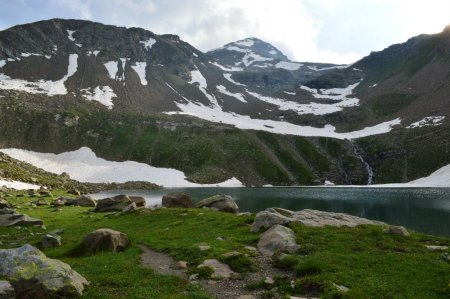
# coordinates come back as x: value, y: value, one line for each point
x: 371, y: 263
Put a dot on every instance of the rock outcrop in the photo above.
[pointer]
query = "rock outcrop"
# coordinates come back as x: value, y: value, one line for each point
x: 19, y: 219
x: 116, y: 203
x: 83, y: 201
x: 33, y: 275
x: 221, y: 270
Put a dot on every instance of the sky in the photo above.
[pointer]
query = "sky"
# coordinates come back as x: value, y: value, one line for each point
x: 335, y: 31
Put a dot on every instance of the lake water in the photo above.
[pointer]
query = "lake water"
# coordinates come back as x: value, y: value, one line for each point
x: 424, y: 210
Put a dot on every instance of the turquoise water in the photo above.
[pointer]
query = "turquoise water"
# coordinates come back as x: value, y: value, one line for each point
x: 424, y: 210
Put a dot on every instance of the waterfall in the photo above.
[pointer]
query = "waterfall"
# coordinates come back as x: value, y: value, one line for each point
x: 357, y: 150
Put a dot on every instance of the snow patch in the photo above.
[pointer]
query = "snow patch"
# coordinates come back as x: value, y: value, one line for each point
x: 245, y: 42
x: 335, y: 94
x: 48, y: 87
x: 238, y: 96
x: 273, y: 52
x: 429, y: 121
x: 198, y: 79
x: 228, y: 77
x: 95, y: 53
x: 251, y: 57
x: 216, y: 114
x: 79, y: 45
x: 70, y: 35
x: 101, y: 94
x: 290, y: 93
x: 315, y: 68
x: 17, y: 185
x: 148, y: 44
x: 2, y: 63
x: 237, y: 49
x: 227, y: 68
x: 290, y: 66
x: 112, y: 68
x: 83, y: 165
x: 139, y: 68
x: 311, y: 108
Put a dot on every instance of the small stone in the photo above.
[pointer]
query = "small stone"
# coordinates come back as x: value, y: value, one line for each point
x: 74, y: 192
x: 341, y: 288
x: 436, y: 248
x: 245, y: 297
x: 269, y: 280
x: 193, y: 277
x: 204, y: 247
x: 130, y: 208
x: 251, y: 248
x: 50, y: 241
x: 182, y: 265
x: 397, y: 230
x: 219, y: 239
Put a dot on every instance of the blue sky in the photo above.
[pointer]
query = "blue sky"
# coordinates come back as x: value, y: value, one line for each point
x: 339, y: 31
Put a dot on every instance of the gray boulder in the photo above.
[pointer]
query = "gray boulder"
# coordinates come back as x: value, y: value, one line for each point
x: 267, y: 219
x: 130, y: 208
x: 6, y: 290
x: 105, y: 239
x: 138, y: 200
x: 18, y: 219
x: 221, y: 270
x: 177, y: 200
x: 277, y: 238
x: 116, y: 203
x: 223, y: 203
x: 50, y: 241
x: 83, y: 201
x: 33, y: 275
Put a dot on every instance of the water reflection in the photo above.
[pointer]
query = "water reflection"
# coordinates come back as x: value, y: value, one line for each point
x: 422, y: 209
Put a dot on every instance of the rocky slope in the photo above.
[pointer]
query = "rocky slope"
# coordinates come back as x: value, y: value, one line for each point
x: 65, y: 84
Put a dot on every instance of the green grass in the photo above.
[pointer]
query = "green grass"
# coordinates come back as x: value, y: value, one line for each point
x: 371, y: 263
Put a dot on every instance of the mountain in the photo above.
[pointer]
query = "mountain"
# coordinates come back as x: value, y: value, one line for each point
x: 129, y: 94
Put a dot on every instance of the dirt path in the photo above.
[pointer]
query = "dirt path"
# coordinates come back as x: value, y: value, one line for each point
x: 220, y: 289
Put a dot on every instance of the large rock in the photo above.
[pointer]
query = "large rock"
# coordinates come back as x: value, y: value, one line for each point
x: 18, y: 219
x: 105, y: 239
x: 267, y: 219
x: 221, y: 270
x: 33, y: 275
x: 83, y: 201
x: 116, y: 203
x: 277, y: 238
x: 6, y: 290
x: 138, y: 200
x: 397, y: 230
x: 177, y: 200
x: 223, y: 203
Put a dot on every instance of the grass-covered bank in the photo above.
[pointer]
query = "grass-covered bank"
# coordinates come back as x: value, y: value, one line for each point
x: 371, y: 263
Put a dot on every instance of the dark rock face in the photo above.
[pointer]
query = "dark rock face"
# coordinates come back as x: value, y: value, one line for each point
x: 105, y: 239
x: 177, y: 200
x: 138, y: 200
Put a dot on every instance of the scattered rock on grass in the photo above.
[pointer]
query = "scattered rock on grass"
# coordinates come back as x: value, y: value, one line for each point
x: 436, y: 248
x: 223, y: 203
x: 277, y: 238
x: 7, y: 211
x: 267, y: 219
x: 105, y: 239
x: 220, y: 270
x: 177, y: 200
x: 18, y: 219
x: 130, y: 208
x: 33, y: 275
x: 4, y: 203
x: 50, y: 241
x: 397, y: 230
x: 82, y: 201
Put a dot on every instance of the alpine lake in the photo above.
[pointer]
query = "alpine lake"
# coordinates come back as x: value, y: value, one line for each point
x: 425, y: 210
